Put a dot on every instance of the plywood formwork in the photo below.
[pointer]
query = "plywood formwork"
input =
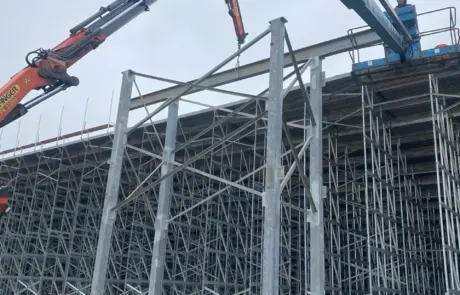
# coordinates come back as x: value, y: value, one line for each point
x: 389, y: 167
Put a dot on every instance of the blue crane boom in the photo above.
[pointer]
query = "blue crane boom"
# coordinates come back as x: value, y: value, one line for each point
x: 396, y: 20
x: 370, y: 12
x: 398, y: 28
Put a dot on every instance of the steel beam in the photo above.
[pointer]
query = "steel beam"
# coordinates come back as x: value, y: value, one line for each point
x: 190, y: 87
x: 272, y: 197
x: 112, y: 187
x: 317, y: 270
x: 324, y: 49
x: 164, y: 204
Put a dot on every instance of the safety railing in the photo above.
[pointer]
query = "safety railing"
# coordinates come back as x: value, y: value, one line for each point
x: 452, y: 29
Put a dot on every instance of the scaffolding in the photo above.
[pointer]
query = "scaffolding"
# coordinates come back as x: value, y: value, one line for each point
x: 319, y: 188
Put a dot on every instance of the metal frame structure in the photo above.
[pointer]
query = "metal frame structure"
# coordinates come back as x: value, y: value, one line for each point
x: 198, y: 211
x: 226, y: 201
x: 447, y: 153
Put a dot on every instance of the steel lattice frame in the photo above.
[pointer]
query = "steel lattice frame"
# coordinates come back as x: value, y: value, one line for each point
x: 219, y: 211
x: 447, y: 152
x: 213, y: 197
x: 395, y: 240
x: 380, y: 194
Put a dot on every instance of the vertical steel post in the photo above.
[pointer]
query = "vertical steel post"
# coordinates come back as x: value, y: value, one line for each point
x: 317, y: 271
x: 271, y: 200
x: 164, y: 203
x: 112, y: 187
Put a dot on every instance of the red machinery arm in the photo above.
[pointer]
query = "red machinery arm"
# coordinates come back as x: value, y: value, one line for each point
x: 47, y: 71
x: 235, y: 13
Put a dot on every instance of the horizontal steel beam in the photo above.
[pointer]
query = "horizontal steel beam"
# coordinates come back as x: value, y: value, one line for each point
x: 324, y: 49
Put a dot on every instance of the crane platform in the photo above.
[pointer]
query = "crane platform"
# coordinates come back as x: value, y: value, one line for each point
x: 399, y: 31
x: 436, y: 60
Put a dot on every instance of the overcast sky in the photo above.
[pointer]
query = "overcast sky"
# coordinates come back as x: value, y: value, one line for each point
x: 177, y: 39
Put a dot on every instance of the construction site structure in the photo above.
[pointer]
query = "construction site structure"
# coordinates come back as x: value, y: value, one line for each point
x: 344, y: 185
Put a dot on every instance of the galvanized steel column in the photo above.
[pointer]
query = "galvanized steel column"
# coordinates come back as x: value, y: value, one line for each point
x: 271, y: 200
x: 113, y: 185
x: 164, y: 203
x: 317, y: 271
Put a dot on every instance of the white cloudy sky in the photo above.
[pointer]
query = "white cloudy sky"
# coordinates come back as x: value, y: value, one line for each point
x: 177, y: 39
